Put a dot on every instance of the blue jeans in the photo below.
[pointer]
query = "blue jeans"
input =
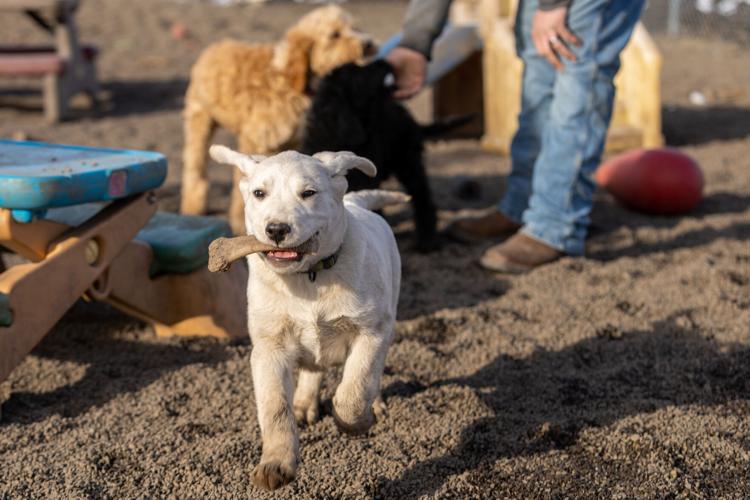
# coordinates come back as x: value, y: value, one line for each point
x: 563, y: 122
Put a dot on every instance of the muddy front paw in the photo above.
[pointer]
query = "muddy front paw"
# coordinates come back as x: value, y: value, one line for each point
x: 273, y: 474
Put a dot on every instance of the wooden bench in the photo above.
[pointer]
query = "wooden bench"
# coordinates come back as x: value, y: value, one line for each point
x: 67, y: 68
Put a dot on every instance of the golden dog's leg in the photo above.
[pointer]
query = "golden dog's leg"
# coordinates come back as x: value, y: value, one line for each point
x: 199, y: 128
x: 306, y: 396
x: 272, y: 381
x: 237, y: 206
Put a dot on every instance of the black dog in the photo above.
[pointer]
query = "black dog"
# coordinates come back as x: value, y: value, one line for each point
x: 353, y: 110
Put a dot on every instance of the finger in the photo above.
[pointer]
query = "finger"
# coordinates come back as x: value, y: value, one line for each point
x: 405, y: 91
x: 541, y: 45
x: 568, y: 36
x: 564, y: 51
x: 552, y: 57
x: 401, y: 94
x: 544, y: 49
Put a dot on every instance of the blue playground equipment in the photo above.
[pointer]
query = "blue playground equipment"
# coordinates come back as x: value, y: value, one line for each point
x: 87, y: 220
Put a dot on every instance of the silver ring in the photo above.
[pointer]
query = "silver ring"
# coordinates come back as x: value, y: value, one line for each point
x: 554, y: 39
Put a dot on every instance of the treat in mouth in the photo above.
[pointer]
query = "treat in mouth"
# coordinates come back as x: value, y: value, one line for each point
x: 223, y: 251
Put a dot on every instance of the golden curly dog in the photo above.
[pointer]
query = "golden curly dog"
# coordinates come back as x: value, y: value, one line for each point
x: 259, y: 92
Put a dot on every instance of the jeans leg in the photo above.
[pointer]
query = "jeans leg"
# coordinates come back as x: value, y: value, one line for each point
x: 536, y: 100
x: 575, y: 131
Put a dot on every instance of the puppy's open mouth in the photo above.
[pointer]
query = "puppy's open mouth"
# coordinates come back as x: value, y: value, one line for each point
x: 295, y: 254
x: 284, y: 255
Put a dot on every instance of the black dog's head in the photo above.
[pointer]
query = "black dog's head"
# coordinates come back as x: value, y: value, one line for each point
x: 347, y: 100
x: 359, y: 85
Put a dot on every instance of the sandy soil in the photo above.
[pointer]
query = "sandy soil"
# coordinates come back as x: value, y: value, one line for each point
x: 625, y: 374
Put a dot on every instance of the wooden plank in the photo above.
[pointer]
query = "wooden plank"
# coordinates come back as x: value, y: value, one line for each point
x: 31, y: 64
x: 460, y: 92
x: 199, y: 303
x: 502, y: 87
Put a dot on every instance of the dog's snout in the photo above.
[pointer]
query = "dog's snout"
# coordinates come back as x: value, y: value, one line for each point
x: 369, y: 48
x: 277, y: 231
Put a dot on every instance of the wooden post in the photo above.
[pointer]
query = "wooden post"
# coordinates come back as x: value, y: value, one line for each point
x: 502, y: 87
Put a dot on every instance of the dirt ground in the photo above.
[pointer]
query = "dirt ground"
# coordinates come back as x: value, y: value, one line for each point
x: 625, y: 374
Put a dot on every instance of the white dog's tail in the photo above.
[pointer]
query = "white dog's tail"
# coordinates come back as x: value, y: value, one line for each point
x: 375, y: 199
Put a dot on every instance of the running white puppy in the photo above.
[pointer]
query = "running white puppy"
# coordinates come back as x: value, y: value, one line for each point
x: 314, y: 310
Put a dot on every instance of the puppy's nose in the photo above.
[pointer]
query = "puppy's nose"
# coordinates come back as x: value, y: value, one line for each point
x: 277, y: 231
x: 369, y: 48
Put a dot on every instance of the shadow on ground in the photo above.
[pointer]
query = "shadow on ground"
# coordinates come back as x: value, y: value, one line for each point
x: 545, y: 401
x: 118, y: 98
x: 138, y: 97
x: 609, y: 216
x: 684, y: 125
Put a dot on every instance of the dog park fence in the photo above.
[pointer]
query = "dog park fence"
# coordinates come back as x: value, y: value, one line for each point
x: 725, y: 19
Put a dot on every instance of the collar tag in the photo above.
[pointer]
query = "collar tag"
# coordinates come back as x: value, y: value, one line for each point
x: 311, y: 275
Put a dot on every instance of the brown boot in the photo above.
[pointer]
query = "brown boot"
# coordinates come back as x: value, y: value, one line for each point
x: 491, y: 225
x: 518, y: 254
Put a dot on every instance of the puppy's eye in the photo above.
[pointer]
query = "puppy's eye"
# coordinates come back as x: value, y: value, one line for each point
x: 259, y: 194
x: 307, y: 193
x: 336, y: 34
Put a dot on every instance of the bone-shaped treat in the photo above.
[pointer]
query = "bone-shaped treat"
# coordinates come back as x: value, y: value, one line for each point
x: 223, y: 251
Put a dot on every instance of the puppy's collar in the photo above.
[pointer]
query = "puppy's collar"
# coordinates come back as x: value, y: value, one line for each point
x: 322, y: 265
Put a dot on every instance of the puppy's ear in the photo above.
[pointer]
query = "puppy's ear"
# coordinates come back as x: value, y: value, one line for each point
x: 245, y: 163
x: 343, y: 161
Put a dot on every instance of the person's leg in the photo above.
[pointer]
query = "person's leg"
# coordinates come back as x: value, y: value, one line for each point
x: 576, y: 128
x: 536, y: 100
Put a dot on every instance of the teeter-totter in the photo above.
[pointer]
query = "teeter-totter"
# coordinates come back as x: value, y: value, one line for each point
x: 86, y: 220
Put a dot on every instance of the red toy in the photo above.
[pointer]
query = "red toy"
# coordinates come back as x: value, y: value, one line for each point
x: 657, y: 181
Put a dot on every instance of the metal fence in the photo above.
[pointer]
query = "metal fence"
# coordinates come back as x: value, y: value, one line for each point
x: 726, y: 19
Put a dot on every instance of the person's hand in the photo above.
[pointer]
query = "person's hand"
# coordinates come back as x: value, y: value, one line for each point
x: 410, y: 69
x: 552, y: 37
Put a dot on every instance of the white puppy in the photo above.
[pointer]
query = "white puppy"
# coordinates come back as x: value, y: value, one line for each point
x: 336, y: 305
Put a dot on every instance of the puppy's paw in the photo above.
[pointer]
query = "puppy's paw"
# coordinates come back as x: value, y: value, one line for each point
x: 379, y: 408
x: 273, y: 474
x: 306, y: 412
x: 350, y: 422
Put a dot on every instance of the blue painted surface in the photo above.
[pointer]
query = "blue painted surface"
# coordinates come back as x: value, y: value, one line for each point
x: 73, y: 181
x: 454, y: 45
x: 35, y: 176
